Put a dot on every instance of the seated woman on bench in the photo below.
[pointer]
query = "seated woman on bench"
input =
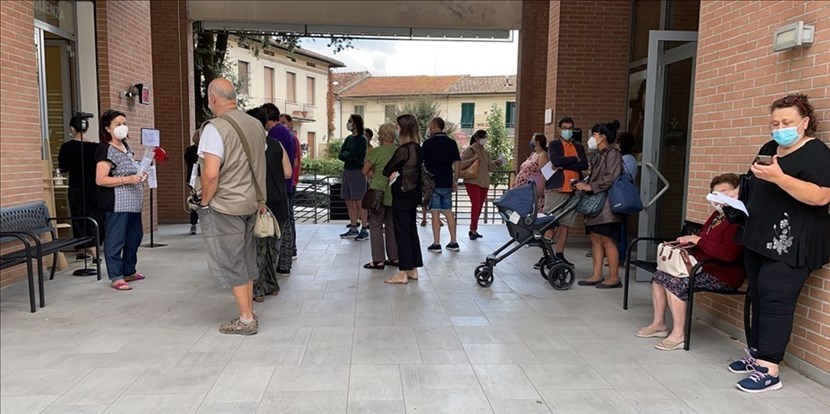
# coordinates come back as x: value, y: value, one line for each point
x: 715, y: 244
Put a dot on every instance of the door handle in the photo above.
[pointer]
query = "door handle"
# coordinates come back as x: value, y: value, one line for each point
x: 659, y: 177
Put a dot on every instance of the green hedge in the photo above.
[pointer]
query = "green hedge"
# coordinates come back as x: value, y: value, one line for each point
x: 322, y: 166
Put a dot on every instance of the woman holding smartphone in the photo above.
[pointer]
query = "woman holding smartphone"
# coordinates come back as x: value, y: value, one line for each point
x: 786, y: 235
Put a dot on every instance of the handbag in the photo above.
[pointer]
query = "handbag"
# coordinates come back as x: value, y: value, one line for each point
x: 372, y: 200
x: 674, y: 259
x: 266, y: 224
x: 624, y: 195
x: 470, y: 172
x: 427, y: 186
x: 591, y: 204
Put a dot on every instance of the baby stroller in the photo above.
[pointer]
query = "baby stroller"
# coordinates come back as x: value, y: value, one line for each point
x: 518, y: 208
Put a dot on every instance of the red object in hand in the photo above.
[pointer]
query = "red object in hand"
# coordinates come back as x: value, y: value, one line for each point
x: 161, y: 154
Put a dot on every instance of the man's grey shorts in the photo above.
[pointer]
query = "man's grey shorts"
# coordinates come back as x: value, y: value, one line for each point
x: 555, y: 198
x: 229, y: 247
x: 354, y: 185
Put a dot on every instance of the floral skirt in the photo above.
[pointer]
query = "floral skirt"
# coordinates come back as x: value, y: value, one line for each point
x: 679, y: 286
x: 267, y: 255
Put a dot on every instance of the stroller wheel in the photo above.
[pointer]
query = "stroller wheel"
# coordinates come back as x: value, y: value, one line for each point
x: 561, y: 276
x: 544, y: 267
x: 484, y: 276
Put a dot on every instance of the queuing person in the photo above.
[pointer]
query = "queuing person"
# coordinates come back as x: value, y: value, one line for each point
x: 404, y: 170
x: 277, y: 169
x: 369, y: 136
x: 625, y: 142
x: 353, y: 155
x: 283, y: 135
x: 531, y: 169
x: 229, y: 204
x: 77, y: 157
x: 568, y: 160
x: 604, y: 228
x: 724, y: 270
x: 191, y: 157
x: 477, y: 187
x: 297, y: 163
x: 120, y: 198
x: 442, y: 159
x: 381, y: 222
x: 787, y: 233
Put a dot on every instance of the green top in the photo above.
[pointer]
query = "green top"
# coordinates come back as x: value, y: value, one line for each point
x: 353, y: 152
x: 378, y: 158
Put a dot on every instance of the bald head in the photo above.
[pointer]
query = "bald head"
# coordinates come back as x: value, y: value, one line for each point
x: 221, y: 96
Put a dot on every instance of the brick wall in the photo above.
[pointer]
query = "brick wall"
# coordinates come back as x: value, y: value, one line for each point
x: 587, y: 55
x: 124, y: 56
x: 531, y: 81
x: 20, y: 171
x: 737, y: 77
x: 174, y: 101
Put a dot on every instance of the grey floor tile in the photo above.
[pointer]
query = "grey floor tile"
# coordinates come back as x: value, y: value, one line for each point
x: 375, y: 407
x: 155, y: 403
x: 40, y: 381
x: 240, y: 384
x: 101, y: 387
x: 587, y: 401
x: 309, y: 378
x: 505, y: 382
x: 304, y: 402
x: 448, y: 401
x: 488, y: 335
x: 175, y: 380
x: 228, y: 408
x: 24, y: 404
x: 330, y: 346
x: 661, y: 406
x: 565, y: 376
x: 439, y: 377
x: 74, y: 409
x: 634, y: 382
x: 256, y: 354
x: 375, y: 383
x: 500, y: 354
x: 535, y: 406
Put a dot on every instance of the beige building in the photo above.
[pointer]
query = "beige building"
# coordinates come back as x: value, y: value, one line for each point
x: 462, y: 99
x: 296, y: 81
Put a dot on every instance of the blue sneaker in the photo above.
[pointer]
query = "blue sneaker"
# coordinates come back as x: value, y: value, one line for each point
x: 363, y: 235
x: 746, y: 364
x: 760, y: 381
x: 352, y: 233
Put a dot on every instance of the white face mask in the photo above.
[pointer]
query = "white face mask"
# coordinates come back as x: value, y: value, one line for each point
x: 350, y: 126
x: 717, y: 206
x: 120, y: 131
x: 483, y: 142
x: 592, y: 143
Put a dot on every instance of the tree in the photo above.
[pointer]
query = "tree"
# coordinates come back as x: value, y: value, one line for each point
x: 209, y: 63
x: 497, y: 142
x: 424, y: 108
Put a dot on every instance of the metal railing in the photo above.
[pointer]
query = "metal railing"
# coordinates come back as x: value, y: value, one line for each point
x: 319, y: 201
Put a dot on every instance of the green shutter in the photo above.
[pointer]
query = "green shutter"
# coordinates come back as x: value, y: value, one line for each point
x: 468, y: 115
x: 510, y: 116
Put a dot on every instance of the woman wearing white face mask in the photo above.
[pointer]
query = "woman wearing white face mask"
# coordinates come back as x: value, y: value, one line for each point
x: 477, y: 187
x: 787, y: 234
x: 724, y: 271
x: 120, y: 198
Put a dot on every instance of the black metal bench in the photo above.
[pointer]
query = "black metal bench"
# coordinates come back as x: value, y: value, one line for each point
x: 25, y: 223
x: 689, y: 228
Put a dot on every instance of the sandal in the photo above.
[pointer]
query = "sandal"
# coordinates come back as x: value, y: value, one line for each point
x: 120, y: 284
x: 668, y: 345
x: 375, y: 265
x: 134, y: 277
x: 393, y: 263
x: 649, y: 332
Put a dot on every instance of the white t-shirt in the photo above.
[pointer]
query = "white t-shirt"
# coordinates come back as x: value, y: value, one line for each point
x: 211, y: 142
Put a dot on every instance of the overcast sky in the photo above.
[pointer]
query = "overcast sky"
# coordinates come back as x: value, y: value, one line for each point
x: 417, y: 57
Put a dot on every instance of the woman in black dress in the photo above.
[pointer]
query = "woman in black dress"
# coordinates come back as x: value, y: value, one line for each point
x: 787, y: 234
x: 404, y: 171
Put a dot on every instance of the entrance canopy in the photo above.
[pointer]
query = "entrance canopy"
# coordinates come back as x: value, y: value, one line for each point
x: 486, y: 20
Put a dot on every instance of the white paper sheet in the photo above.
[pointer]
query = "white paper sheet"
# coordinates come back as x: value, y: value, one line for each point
x: 721, y: 198
x: 502, y: 160
x: 150, y: 137
x: 146, y: 161
x: 548, y: 170
x: 152, y: 180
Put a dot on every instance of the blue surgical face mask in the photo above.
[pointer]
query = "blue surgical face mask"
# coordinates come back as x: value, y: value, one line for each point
x: 532, y: 146
x: 567, y: 134
x: 786, y: 137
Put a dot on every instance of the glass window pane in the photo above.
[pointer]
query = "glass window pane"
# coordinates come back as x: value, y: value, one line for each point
x: 467, y: 115
x: 646, y: 17
x: 510, y: 115
x: 683, y: 15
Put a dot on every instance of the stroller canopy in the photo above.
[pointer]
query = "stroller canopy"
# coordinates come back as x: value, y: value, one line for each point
x: 521, y: 199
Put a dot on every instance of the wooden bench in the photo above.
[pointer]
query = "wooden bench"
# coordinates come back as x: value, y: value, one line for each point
x: 26, y: 223
x: 689, y: 228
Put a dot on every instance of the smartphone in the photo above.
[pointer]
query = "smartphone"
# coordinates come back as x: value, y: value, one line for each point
x: 764, y: 159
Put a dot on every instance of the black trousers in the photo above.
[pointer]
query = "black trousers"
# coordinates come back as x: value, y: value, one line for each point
x: 85, y: 204
x: 194, y: 217
x: 404, y: 216
x: 773, y: 290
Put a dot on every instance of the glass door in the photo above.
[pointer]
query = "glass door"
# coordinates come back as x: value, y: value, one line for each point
x: 666, y: 135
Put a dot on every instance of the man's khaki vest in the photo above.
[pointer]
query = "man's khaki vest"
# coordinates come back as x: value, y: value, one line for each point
x: 236, y: 195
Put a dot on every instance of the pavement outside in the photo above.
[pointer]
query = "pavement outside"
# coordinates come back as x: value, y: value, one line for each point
x: 339, y: 340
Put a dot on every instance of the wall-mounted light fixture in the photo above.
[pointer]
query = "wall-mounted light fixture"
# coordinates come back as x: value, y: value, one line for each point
x: 794, y: 35
x: 139, y: 90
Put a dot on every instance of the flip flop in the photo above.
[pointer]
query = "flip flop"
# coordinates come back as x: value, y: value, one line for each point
x: 393, y: 263
x: 651, y: 333
x: 134, y: 277
x: 667, y: 345
x: 121, y: 285
x: 375, y: 266
x: 604, y: 286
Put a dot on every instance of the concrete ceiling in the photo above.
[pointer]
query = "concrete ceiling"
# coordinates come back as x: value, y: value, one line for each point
x: 416, y: 19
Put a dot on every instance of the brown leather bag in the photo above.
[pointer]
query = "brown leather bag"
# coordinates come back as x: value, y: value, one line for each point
x: 470, y: 172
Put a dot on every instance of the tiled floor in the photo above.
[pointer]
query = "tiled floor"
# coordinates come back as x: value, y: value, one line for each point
x: 338, y: 340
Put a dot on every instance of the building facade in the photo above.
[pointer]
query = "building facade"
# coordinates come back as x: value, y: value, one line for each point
x: 461, y: 99
x: 294, y: 80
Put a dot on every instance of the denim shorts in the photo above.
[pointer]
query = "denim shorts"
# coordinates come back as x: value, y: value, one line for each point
x: 441, y: 200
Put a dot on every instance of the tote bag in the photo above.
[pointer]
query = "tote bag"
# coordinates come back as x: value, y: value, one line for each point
x: 624, y: 194
x: 673, y: 258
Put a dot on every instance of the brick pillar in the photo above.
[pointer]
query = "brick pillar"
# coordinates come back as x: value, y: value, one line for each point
x: 174, y: 101
x: 587, y: 61
x: 531, y: 83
